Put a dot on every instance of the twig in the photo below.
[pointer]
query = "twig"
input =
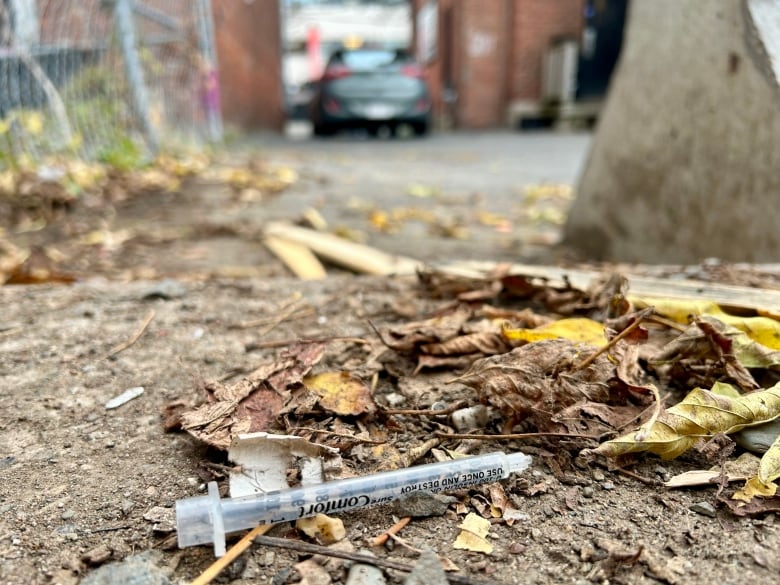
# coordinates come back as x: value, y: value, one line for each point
x: 609, y: 345
x: 338, y: 435
x: 641, y: 478
x: 666, y: 322
x: 235, y: 551
x: 135, y: 337
x: 425, y: 412
x: 507, y: 437
x: 393, y: 530
x: 285, y: 342
x: 315, y: 549
x: 10, y: 332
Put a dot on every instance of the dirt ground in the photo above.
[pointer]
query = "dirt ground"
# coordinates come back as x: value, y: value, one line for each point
x: 81, y: 484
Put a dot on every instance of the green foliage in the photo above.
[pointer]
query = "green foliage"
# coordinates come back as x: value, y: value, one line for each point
x: 123, y: 154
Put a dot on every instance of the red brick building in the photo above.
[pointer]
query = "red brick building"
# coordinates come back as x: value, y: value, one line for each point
x: 485, y: 59
x: 249, y: 50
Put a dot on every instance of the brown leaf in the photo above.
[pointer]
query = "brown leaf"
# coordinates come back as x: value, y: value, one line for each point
x: 437, y: 329
x: 540, y: 379
x: 485, y: 343
x: 341, y: 393
x: 253, y: 403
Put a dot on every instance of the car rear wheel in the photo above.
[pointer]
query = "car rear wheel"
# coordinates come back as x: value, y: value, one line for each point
x: 420, y: 128
x: 323, y: 130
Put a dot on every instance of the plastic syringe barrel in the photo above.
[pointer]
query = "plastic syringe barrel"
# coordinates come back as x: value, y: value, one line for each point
x: 205, y: 519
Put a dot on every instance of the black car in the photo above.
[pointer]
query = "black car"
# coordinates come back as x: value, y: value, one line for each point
x: 371, y: 88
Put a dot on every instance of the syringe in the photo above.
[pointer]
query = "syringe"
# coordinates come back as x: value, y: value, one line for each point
x: 205, y: 519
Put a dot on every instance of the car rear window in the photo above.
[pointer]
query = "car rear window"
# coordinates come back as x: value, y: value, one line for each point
x: 368, y: 59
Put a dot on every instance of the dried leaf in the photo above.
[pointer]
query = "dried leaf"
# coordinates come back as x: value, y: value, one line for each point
x: 253, y: 403
x: 325, y: 529
x: 484, y: 343
x: 473, y: 531
x: 435, y: 330
x: 577, y: 329
x: 341, y: 393
x: 701, y: 414
x: 755, y: 487
x: 763, y: 330
x: 769, y: 470
x: 540, y: 379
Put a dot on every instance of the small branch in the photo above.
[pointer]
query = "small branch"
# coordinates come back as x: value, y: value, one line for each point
x: 609, y: 345
x: 285, y: 342
x: 315, y: 549
x: 136, y: 336
x: 511, y: 436
x: 337, y: 435
x: 393, y: 530
x: 425, y: 412
x: 235, y: 551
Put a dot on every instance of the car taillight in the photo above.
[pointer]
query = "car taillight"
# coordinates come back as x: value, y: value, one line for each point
x: 413, y: 71
x: 336, y: 72
x: 332, y: 106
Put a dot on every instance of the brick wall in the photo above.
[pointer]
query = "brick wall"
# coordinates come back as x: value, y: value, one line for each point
x: 536, y: 23
x: 248, y: 39
x: 496, y: 53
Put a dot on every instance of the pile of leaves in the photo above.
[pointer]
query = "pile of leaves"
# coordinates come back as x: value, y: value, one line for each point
x: 599, y: 372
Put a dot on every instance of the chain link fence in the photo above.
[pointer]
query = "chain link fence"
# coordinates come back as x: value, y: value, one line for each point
x: 109, y: 80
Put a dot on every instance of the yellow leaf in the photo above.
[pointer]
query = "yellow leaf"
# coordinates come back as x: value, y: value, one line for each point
x: 32, y: 122
x: 755, y: 487
x: 473, y: 531
x: 287, y: 175
x: 577, y: 329
x: 340, y: 392
x: 769, y: 469
x: 422, y: 191
x: 324, y: 528
x: 701, y: 414
x: 764, y: 330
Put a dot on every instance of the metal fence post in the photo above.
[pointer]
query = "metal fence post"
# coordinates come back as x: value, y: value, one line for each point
x: 123, y: 16
x: 210, y: 75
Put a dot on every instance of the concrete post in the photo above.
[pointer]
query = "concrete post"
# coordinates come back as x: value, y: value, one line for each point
x: 684, y: 163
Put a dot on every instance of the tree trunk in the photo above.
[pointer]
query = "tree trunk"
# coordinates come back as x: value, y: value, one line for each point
x: 685, y: 163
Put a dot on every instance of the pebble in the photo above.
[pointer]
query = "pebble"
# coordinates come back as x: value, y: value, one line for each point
x: 598, y: 475
x: 608, y: 486
x: 421, y: 504
x: 135, y: 570
x: 365, y: 575
x: 587, y: 491
x: 165, y: 289
x: 282, y: 576
x: 759, y: 438
x: 67, y: 514
x: 427, y: 571
x: 704, y: 508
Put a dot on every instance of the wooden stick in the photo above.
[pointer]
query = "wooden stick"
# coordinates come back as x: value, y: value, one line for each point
x: 297, y: 257
x: 135, y: 337
x: 356, y: 257
x: 235, y: 551
x: 393, y: 530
